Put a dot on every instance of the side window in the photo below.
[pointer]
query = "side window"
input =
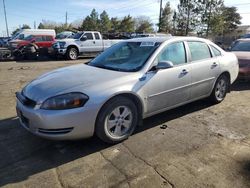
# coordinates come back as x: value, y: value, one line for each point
x: 39, y: 39
x: 174, y: 52
x: 199, y: 50
x: 89, y: 36
x: 21, y: 36
x: 215, y: 51
x: 97, y: 37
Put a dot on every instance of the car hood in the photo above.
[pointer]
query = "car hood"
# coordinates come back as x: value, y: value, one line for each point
x: 69, y: 79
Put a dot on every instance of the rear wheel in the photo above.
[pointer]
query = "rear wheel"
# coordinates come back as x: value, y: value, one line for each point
x: 72, y: 53
x: 220, y: 89
x: 117, y: 120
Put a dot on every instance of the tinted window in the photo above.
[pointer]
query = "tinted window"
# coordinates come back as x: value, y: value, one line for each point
x: 21, y: 36
x: 241, y: 46
x: 48, y: 38
x: 39, y: 38
x: 199, y: 51
x: 174, y: 52
x: 97, y: 37
x: 89, y: 36
x: 216, y: 51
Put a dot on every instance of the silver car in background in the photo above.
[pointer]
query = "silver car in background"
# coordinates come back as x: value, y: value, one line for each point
x: 131, y: 80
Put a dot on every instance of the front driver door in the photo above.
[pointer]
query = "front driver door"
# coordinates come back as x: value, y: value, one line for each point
x: 169, y: 87
x: 87, y: 45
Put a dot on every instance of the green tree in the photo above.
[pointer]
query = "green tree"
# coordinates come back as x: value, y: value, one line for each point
x: 115, y: 24
x: 143, y: 24
x: 91, y: 22
x: 41, y: 26
x: 206, y: 11
x: 165, y: 24
x: 127, y: 24
x: 105, y: 24
x: 186, y: 16
x: 225, y: 21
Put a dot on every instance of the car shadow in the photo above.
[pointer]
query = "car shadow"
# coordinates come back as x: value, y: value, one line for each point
x: 241, y: 85
x: 23, y: 155
x: 46, y: 59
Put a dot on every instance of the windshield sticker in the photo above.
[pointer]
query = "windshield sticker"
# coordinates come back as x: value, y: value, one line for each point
x: 143, y: 44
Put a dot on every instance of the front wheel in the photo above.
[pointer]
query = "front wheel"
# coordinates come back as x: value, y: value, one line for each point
x: 117, y: 120
x: 220, y: 89
x: 72, y: 53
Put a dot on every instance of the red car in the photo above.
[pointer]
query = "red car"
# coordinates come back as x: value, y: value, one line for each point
x: 42, y: 41
x: 241, y: 48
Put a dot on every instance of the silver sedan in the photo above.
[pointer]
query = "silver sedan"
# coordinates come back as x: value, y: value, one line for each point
x: 131, y: 80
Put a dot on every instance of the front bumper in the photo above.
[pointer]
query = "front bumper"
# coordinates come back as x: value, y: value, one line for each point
x: 60, y: 51
x: 58, y: 124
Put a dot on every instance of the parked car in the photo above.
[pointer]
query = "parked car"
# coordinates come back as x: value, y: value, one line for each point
x: 4, y: 41
x: 241, y: 48
x: 246, y: 36
x: 42, y: 41
x: 23, y: 33
x: 64, y: 35
x: 82, y: 43
x: 129, y: 81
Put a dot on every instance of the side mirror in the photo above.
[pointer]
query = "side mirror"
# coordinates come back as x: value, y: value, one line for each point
x: 33, y: 40
x: 164, y: 65
x: 83, y: 38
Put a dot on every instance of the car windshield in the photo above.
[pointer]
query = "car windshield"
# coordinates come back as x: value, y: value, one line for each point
x: 125, y: 56
x: 77, y: 35
x: 241, y: 46
x: 29, y: 37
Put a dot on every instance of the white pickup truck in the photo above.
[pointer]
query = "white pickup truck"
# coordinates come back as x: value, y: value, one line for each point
x: 82, y: 43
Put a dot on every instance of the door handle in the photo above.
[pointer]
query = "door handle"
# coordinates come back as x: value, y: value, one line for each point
x: 214, y: 64
x: 184, y: 72
x: 94, y: 42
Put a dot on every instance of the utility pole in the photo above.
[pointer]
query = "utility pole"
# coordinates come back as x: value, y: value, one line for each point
x: 160, y: 15
x: 34, y: 24
x: 66, y: 19
x: 6, y: 23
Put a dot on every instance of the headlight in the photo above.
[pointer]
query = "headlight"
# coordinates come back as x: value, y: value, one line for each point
x: 65, y: 101
x: 62, y: 44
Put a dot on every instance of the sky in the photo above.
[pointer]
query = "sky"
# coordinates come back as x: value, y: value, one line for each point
x: 29, y: 11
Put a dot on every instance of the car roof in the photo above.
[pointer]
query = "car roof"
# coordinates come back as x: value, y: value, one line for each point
x: 163, y: 39
x: 246, y: 40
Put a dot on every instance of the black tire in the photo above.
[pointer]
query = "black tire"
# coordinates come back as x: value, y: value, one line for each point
x: 72, y: 53
x: 106, y: 114
x: 218, y: 98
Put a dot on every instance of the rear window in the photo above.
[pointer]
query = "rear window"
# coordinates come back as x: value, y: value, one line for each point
x: 199, y: 50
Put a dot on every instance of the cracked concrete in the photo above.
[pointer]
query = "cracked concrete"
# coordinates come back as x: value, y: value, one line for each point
x: 200, y: 146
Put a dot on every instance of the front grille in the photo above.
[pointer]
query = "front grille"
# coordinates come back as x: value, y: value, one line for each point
x: 55, y: 131
x: 25, y: 100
